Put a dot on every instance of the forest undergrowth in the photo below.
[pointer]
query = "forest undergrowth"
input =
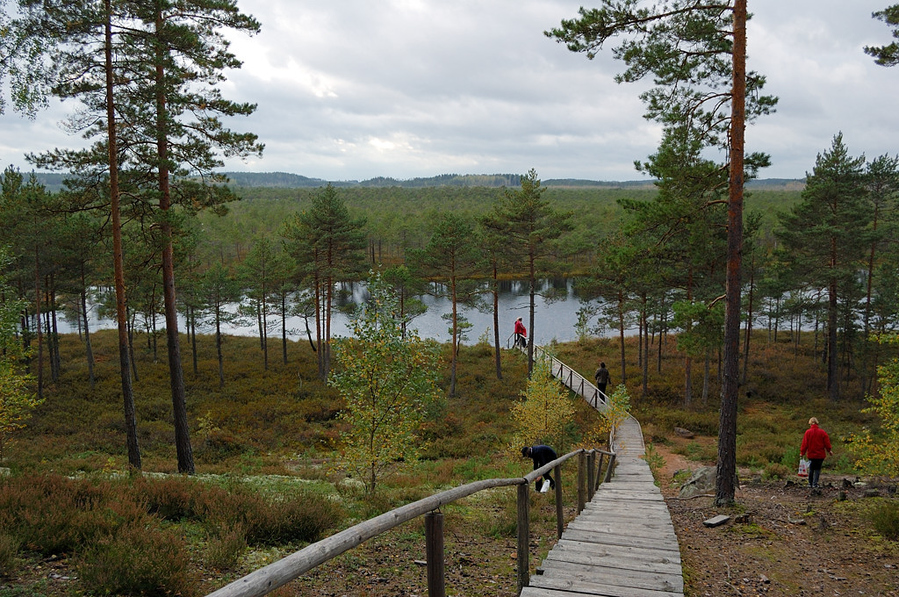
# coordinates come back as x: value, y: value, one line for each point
x: 271, y: 437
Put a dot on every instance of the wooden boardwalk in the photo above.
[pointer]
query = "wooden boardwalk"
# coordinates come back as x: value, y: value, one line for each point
x: 623, y: 543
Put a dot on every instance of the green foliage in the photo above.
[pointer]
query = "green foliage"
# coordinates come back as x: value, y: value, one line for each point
x: 9, y: 549
x: 326, y: 243
x: 887, y: 55
x: 681, y: 44
x: 16, y: 398
x: 655, y: 461
x: 619, y: 406
x: 702, y: 326
x: 885, y: 518
x: 545, y: 410
x: 877, y: 453
x: 387, y: 379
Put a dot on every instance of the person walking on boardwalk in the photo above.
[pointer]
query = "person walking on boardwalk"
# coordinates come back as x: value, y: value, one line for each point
x: 541, y: 455
x: 815, y: 444
x: 521, y: 334
x: 602, y: 378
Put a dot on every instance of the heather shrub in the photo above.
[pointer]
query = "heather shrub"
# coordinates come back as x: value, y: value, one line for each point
x: 776, y: 470
x: 224, y: 550
x: 170, y: 498
x: 885, y: 519
x: 292, y: 517
x: 52, y: 514
x: 9, y: 549
x: 137, y: 560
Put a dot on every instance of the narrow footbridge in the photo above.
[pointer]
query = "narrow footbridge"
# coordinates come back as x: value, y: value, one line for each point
x: 622, y: 544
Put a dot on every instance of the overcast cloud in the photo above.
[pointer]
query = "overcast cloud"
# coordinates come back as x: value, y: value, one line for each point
x: 353, y: 89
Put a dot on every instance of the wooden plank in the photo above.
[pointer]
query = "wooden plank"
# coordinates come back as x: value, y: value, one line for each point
x: 635, y: 515
x: 623, y: 496
x: 612, y: 583
x: 622, y: 540
x: 608, y: 591
x: 624, y: 523
x: 655, y: 581
x: 622, y: 544
x: 716, y: 521
x: 659, y: 533
x: 612, y: 507
x: 658, y: 564
x: 589, y: 547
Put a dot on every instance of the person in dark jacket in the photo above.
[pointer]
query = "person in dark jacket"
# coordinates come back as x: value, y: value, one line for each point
x: 541, y: 455
x: 602, y: 378
x: 815, y: 444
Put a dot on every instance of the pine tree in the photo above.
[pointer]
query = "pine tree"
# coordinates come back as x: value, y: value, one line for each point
x: 825, y: 237
x: 453, y: 257
x: 696, y: 52
x: 327, y: 245
x: 887, y: 55
x: 530, y: 229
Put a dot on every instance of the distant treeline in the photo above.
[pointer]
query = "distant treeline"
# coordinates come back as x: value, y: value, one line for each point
x: 285, y: 180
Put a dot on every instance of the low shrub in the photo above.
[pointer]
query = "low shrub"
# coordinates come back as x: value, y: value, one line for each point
x: 885, y: 519
x: 52, y: 514
x: 137, y: 560
x: 291, y: 516
x: 775, y: 471
x: 224, y: 551
x: 9, y: 549
x: 170, y: 498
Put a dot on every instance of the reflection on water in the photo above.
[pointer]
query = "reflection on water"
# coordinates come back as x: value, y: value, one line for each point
x: 555, y: 314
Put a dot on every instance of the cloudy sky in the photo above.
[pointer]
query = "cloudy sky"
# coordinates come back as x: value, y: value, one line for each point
x: 353, y: 89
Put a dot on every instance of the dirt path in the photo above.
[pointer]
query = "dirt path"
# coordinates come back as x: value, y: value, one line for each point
x: 782, y: 540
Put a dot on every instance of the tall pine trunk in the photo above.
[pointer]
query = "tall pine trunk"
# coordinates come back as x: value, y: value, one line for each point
x: 176, y: 373
x: 725, y: 481
x: 125, y: 360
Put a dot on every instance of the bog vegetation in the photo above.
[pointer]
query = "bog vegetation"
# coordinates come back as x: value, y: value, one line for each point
x: 269, y: 468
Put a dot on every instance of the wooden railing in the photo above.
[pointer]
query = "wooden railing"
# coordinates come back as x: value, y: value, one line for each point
x: 279, y: 573
x: 574, y: 381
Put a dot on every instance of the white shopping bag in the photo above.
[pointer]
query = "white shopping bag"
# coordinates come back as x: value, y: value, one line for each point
x: 803, y: 467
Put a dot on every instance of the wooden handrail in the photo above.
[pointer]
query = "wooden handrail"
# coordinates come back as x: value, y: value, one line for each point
x: 277, y: 574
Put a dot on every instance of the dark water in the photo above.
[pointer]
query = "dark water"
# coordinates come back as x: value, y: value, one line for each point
x: 555, y: 319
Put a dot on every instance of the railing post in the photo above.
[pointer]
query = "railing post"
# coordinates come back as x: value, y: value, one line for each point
x: 609, y: 469
x: 524, y: 503
x: 434, y: 554
x: 581, y: 482
x: 599, y: 469
x: 560, y: 514
x: 591, y: 474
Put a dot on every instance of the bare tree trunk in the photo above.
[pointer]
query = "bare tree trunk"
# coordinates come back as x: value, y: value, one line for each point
x: 218, y: 345
x: 496, y: 339
x: 89, y: 352
x: 748, y: 321
x: 455, y: 340
x: 833, y: 370
x: 38, y: 324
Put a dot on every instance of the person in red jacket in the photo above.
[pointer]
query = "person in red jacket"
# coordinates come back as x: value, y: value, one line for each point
x: 521, y: 334
x: 815, y: 444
